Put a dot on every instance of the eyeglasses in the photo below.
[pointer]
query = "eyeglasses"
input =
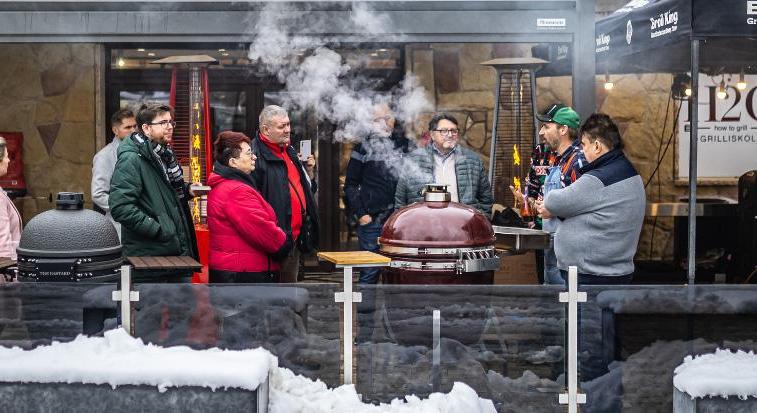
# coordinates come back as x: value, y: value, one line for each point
x: 164, y: 123
x: 447, y: 132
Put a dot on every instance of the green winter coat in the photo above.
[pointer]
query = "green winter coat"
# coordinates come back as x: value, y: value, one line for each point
x: 473, y: 187
x: 154, y: 223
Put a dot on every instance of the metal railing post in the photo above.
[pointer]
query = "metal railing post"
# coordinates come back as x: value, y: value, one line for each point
x: 347, y: 297
x: 572, y: 398
x: 436, y: 353
x: 125, y: 295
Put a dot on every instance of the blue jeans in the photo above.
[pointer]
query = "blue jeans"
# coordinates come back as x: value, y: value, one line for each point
x: 367, y: 236
x: 591, y: 279
x: 551, y: 272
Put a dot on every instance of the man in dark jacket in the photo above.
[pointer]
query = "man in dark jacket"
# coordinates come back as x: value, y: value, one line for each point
x: 281, y: 179
x: 148, y: 195
x: 370, y: 182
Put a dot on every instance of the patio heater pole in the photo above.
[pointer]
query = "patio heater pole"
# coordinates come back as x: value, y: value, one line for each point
x: 494, y: 127
x: 693, y: 137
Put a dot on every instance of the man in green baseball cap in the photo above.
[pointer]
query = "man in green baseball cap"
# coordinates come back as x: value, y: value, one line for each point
x: 559, y: 130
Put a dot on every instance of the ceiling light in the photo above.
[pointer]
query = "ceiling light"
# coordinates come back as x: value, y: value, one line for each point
x: 140, y: 50
x: 221, y: 50
x: 687, y: 91
x: 608, y: 84
x: 741, y: 84
x: 722, y: 92
x: 151, y: 54
x: 120, y: 62
x: 224, y: 54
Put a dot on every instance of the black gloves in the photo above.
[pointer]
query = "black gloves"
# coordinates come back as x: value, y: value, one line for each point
x: 285, y: 249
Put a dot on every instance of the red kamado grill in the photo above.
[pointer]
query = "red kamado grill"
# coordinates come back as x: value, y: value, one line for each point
x: 69, y: 243
x: 439, y: 242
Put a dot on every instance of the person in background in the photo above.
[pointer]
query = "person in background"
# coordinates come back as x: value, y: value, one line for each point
x: 370, y: 182
x: 10, y: 219
x: 542, y: 158
x: 559, y: 130
x: 148, y: 195
x: 122, y: 124
x: 246, y: 244
x: 444, y: 161
x: 602, y: 212
x: 283, y: 181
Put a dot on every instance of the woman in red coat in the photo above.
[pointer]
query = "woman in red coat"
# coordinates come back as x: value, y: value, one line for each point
x: 246, y: 245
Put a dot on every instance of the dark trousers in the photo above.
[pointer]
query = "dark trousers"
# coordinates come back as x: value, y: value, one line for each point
x: 367, y: 236
x: 220, y: 276
x: 591, y: 279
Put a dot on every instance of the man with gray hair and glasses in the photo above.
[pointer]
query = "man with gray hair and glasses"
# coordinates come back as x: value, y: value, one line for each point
x: 444, y: 161
x: 283, y: 181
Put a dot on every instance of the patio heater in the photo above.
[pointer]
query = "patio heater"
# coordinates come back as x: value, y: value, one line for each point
x: 514, y: 132
x: 190, y: 98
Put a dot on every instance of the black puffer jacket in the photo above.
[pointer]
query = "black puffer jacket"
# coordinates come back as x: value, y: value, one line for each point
x: 372, y: 174
x: 270, y: 176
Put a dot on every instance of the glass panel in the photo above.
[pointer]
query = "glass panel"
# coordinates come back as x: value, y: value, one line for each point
x: 34, y: 314
x: 633, y: 337
x: 506, y: 342
x: 133, y: 99
x: 298, y: 323
x: 228, y: 111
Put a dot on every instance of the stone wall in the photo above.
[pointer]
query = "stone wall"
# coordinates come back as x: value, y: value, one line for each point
x: 47, y: 92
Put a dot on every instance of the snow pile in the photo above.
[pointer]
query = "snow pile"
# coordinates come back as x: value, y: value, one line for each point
x: 119, y: 359
x: 721, y: 374
x: 294, y: 394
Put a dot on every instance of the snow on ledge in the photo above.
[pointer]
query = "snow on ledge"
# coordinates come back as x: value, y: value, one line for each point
x: 721, y: 374
x: 292, y: 393
x: 119, y: 359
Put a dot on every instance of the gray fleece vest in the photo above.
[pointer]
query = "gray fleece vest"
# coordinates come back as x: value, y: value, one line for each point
x: 602, y: 214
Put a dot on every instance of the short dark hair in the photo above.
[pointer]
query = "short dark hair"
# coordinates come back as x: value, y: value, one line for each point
x: 149, y: 111
x: 600, y: 126
x: 118, y: 117
x: 434, y: 122
x: 228, y: 144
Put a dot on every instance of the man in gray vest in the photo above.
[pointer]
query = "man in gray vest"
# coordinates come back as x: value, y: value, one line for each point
x: 122, y: 124
x: 602, y: 212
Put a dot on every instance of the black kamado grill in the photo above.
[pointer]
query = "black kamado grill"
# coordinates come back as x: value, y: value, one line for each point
x: 69, y: 243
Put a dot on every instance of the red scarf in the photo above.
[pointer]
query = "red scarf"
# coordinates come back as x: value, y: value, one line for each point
x: 297, y: 197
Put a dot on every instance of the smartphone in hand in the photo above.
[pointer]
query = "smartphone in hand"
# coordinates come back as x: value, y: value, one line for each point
x: 305, y: 149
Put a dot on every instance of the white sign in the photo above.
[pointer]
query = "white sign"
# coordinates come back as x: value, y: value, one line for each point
x: 727, y: 144
x: 551, y: 23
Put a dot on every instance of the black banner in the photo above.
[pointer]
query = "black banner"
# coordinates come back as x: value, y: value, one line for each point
x: 725, y: 18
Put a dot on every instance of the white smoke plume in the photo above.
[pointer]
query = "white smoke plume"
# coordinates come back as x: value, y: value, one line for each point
x: 316, y: 78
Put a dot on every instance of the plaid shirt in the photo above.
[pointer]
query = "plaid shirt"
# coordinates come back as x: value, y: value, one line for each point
x: 570, y: 163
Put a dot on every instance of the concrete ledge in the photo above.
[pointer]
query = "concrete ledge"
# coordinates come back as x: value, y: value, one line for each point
x: 683, y: 403
x: 51, y: 397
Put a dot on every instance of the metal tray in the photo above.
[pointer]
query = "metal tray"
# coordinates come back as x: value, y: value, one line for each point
x: 520, y: 239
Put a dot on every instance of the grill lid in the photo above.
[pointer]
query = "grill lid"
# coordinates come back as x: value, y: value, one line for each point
x: 436, y: 223
x: 69, y: 231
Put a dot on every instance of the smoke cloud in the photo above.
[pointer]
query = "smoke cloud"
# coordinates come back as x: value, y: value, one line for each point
x: 316, y: 77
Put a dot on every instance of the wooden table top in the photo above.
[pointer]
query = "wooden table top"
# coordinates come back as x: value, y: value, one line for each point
x: 354, y: 258
x: 164, y: 263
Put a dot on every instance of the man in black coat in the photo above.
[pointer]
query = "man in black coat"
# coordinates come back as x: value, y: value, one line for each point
x: 283, y: 181
x: 370, y: 182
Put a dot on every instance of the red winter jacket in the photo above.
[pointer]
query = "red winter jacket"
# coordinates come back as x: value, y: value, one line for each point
x: 242, y: 226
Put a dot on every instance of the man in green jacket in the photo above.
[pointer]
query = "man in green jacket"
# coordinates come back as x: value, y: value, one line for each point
x: 444, y: 161
x: 148, y: 195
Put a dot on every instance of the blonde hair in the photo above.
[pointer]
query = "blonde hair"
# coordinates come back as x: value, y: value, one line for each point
x: 3, y: 146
